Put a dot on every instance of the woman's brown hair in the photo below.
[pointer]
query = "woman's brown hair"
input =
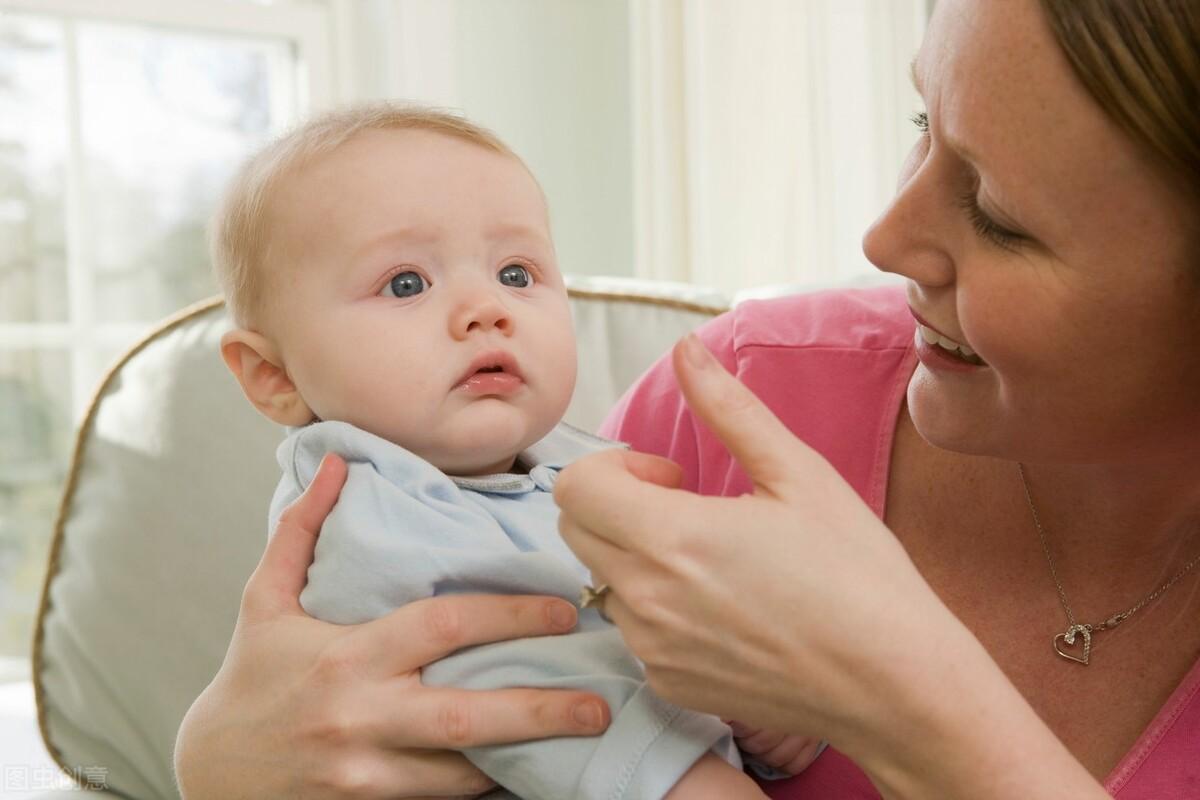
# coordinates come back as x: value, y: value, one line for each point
x: 1140, y: 59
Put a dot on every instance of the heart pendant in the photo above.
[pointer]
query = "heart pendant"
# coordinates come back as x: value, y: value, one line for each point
x: 1069, y: 639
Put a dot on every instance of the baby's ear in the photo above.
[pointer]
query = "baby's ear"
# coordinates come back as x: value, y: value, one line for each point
x: 258, y: 367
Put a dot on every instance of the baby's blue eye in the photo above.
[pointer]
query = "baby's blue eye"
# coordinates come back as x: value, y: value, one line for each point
x: 404, y: 284
x: 515, y: 275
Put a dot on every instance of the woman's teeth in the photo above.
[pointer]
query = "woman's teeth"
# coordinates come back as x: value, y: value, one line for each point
x: 961, y: 350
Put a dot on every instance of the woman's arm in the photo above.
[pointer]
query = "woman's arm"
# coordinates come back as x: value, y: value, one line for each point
x: 794, y: 608
x: 306, y: 709
x: 960, y: 728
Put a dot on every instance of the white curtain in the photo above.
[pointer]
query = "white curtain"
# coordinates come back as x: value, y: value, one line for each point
x: 767, y: 134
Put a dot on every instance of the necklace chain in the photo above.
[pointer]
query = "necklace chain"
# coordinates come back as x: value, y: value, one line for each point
x: 1086, y: 629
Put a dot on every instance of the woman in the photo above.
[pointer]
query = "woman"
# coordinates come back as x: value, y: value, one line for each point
x: 1042, y: 494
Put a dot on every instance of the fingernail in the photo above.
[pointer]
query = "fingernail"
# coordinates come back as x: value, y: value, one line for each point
x: 587, y: 715
x: 562, y: 616
x: 697, y: 354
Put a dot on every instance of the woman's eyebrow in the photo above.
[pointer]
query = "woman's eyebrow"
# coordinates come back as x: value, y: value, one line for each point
x: 966, y: 153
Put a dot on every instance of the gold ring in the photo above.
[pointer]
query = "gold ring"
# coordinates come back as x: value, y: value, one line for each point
x: 594, y: 597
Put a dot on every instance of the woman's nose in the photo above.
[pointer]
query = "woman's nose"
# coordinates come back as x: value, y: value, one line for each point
x: 910, y: 237
x: 480, y: 312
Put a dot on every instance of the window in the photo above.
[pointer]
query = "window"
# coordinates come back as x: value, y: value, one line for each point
x: 119, y: 124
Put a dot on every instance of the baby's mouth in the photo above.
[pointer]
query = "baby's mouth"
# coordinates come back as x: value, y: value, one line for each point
x: 496, y: 369
x: 491, y: 381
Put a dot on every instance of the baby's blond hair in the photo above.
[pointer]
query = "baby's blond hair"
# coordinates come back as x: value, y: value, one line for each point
x: 239, y: 242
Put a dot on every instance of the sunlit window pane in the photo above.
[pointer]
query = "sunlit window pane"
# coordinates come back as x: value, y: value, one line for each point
x: 35, y: 433
x: 115, y: 142
x: 33, y: 154
x: 166, y: 117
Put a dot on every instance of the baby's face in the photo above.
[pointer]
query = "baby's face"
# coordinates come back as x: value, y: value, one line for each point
x: 408, y: 267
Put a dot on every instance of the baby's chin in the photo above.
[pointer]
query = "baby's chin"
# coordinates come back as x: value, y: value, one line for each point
x: 477, y: 461
x: 488, y: 459
x: 477, y: 443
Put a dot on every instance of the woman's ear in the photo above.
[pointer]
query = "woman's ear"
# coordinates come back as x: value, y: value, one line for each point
x: 256, y: 363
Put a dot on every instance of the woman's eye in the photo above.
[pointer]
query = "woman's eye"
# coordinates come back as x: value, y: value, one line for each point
x: 921, y: 120
x: 404, y: 284
x: 986, y: 227
x: 515, y: 275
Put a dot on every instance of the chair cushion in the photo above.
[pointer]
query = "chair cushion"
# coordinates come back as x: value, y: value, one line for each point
x: 163, y: 518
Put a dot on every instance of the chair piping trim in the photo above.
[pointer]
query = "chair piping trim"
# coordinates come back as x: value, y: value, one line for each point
x: 167, y: 325
x: 641, y: 299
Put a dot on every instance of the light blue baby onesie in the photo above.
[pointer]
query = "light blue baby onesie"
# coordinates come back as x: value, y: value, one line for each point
x: 402, y: 530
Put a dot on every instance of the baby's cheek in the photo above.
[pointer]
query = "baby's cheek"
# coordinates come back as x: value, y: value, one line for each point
x: 564, y: 365
x: 367, y: 399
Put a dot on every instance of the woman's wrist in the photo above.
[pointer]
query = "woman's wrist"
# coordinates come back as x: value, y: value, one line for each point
x: 955, y: 726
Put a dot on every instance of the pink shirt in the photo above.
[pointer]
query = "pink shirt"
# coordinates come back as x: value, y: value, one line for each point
x: 834, y: 367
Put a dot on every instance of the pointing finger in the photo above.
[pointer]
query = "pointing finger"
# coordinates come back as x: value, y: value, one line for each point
x: 766, y: 449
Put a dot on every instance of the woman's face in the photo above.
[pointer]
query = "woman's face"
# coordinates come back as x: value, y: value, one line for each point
x: 1033, y: 230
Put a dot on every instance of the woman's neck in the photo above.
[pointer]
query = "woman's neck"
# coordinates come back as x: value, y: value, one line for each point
x: 1123, y: 525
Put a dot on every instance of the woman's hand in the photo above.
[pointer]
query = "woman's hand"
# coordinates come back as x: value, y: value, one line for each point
x: 786, y: 752
x: 733, y: 602
x: 307, y: 709
x: 793, y: 608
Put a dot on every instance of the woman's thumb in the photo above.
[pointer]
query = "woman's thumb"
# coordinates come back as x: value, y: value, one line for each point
x: 282, y: 571
x: 653, y: 469
x: 762, y: 444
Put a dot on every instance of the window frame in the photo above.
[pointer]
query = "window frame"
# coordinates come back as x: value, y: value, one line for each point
x: 309, y: 27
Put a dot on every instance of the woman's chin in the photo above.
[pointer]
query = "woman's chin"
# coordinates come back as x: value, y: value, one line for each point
x: 949, y: 423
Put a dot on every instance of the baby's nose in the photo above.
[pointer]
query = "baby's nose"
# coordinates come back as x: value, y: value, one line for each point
x: 481, y: 313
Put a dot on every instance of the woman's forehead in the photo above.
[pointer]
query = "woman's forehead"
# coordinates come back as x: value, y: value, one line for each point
x: 999, y: 87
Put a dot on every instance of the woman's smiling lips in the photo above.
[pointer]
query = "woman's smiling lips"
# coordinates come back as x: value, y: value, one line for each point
x: 937, y: 351
x: 494, y: 372
x: 925, y: 322
x: 938, y: 358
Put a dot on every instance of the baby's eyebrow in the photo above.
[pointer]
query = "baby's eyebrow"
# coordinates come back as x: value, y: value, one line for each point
x: 410, y: 235
x: 915, y: 76
x: 515, y: 230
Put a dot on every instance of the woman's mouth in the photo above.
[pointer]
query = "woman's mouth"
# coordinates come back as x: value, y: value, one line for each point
x: 949, y: 346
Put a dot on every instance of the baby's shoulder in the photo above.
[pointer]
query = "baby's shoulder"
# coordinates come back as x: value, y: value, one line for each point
x: 348, y: 441
x: 301, y: 452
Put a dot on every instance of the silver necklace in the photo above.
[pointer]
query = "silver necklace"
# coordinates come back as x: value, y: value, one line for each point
x: 1084, y: 631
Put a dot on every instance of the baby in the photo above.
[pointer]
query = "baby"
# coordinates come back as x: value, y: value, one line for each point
x: 393, y: 282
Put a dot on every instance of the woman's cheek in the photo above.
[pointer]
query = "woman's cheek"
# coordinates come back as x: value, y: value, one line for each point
x: 1008, y: 345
